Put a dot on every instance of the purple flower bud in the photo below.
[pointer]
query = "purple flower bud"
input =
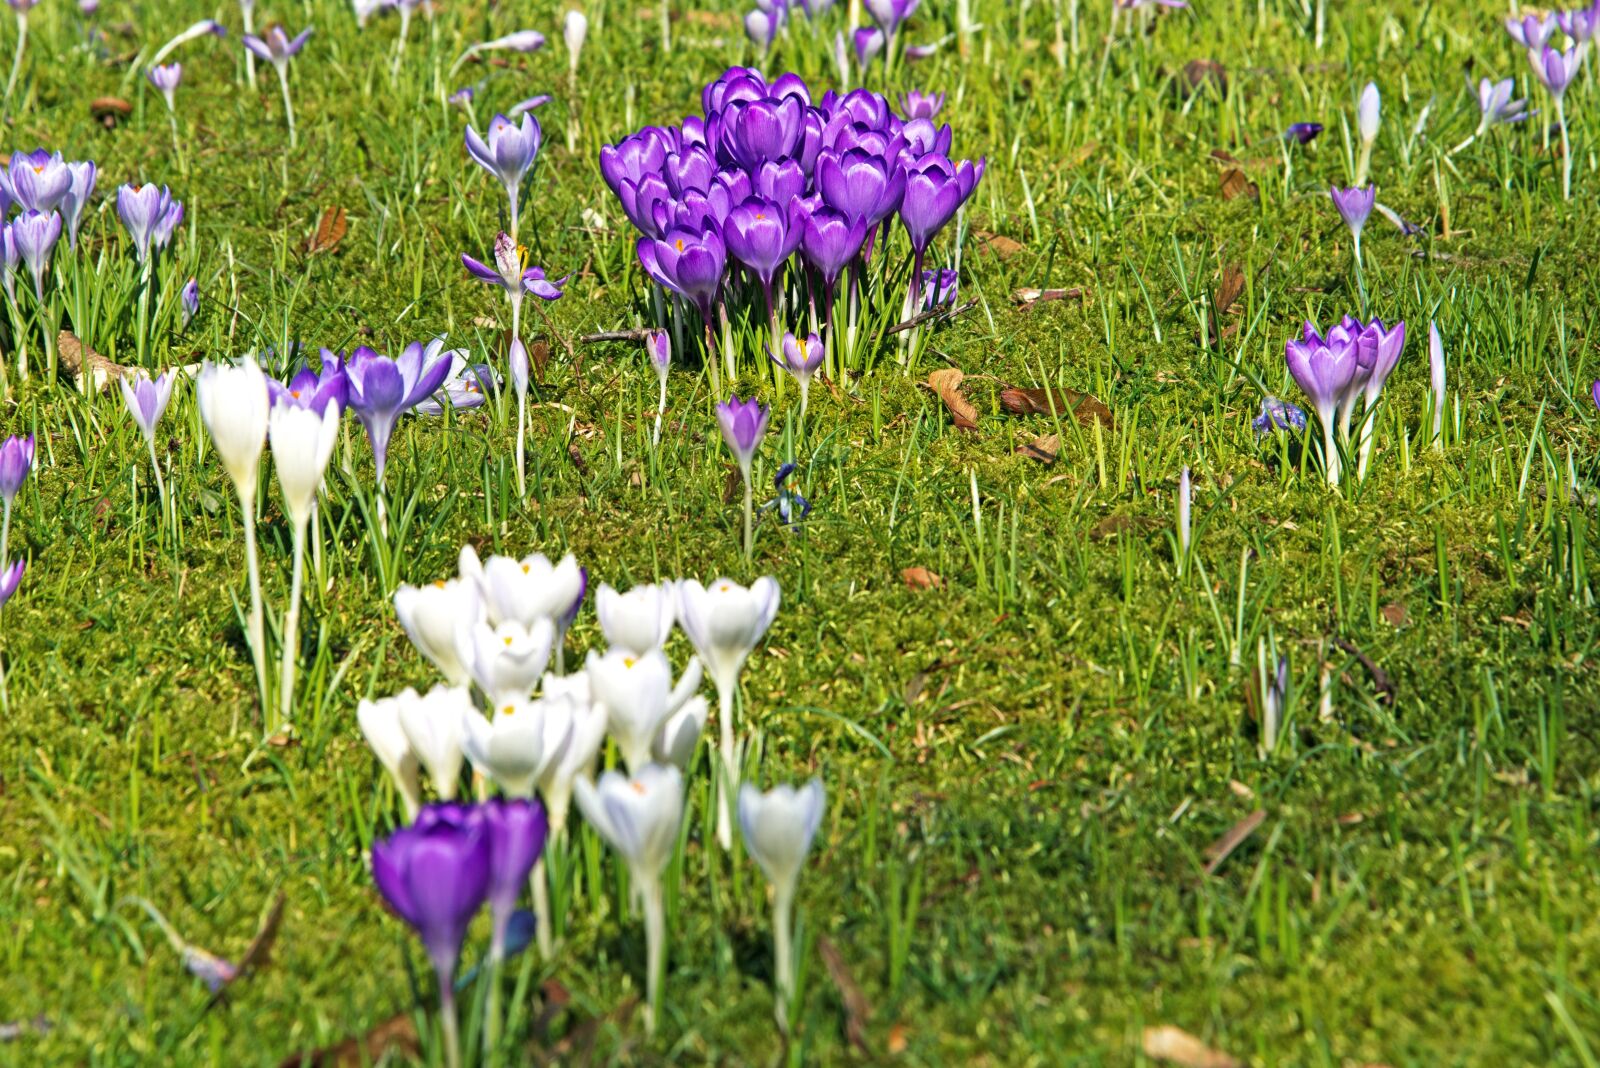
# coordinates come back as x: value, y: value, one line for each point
x: 517, y: 359
x: 744, y: 424
x: 435, y: 875
x: 1555, y: 70
x: 10, y: 579
x: 314, y: 390
x: 191, y: 301
x: 16, y: 460
x: 935, y: 189
x: 831, y: 239
x: 1531, y: 32
x: 687, y: 262
x: 761, y: 235
x: 915, y: 105
x: 1354, y: 206
x: 165, y: 77
x: 800, y: 358
x: 77, y: 198
x: 516, y: 831
x: 1303, y: 132
x: 889, y: 14
x: 868, y: 42
x: 1278, y: 415
x: 658, y: 346
x: 142, y: 209
x: 147, y: 399
x: 509, y: 150
x: 36, y: 236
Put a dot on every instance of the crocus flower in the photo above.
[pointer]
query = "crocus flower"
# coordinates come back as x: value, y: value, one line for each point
x: 915, y: 105
x: 762, y: 24
x: 639, y: 818
x: 36, y: 235
x: 801, y: 359
x: 39, y: 180
x: 574, y: 29
x: 790, y: 505
x: 1555, y: 69
x: 520, y: 41
x: 1578, y: 24
x: 510, y: 750
x: 1354, y: 207
x: 435, y: 725
x: 1436, y: 382
x: 73, y: 204
x: 1303, y: 132
x: 1387, y: 344
x: 639, y: 620
x: 234, y: 407
x: 639, y: 696
x: 165, y: 77
x: 527, y: 590
x: 829, y: 242
x: 146, y: 398
x: 16, y: 461
x: 761, y: 235
x: 686, y: 262
x: 658, y: 346
x: 744, y: 424
x: 868, y: 41
x: 380, y: 726
x: 1278, y: 415
x: 190, y: 297
x: 570, y: 714
x: 939, y: 288
x: 725, y: 622
x: 278, y: 49
x: 507, y: 154
x: 466, y: 387
x: 860, y: 184
x: 435, y: 875
x: 506, y: 659
x: 889, y: 14
x: 1496, y: 104
x: 935, y: 188
x: 142, y: 209
x: 1325, y: 369
x: 516, y: 830
x: 382, y: 389
x: 315, y: 390
x: 676, y: 740
x: 10, y: 579
x: 433, y: 614
x: 778, y: 828
x: 1530, y: 31
x: 1369, y: 116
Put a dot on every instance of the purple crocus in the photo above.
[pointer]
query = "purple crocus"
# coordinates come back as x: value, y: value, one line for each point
x: 435, y: 875
x: 39, y: 180
x: 76, y: 201
x: 1278, y: 415
x: 277, y: 47
x: 830, y: 241
x: 1354, y: 206
x: 687, y: 262
x: 381, y: 389
x: 744, y: 424
x: 16, y: 460
x: 507, y: 153
x: 762, y: 24
x: 801, y: 358
x: 1531, y: 32
x: 190, y: 298
x: 761, y: 235
x: 10, y: 579
x: 939, y: 287
x: 889, y: 14
x: 1555, y: 69
x: 1496, y: 103
x: 147, y: 398
x: 516, y: 829
x: 935, y: 189
x: 166, y: 225
x: 1579, y: 24
x: 313, y: 390
x: 915, y: 105
x: 868, y: 42
x: 1303, y: 132
x: 142, y: 209
x: 861, y: 185
x: 166, y: 77
x: 36, y: 235
x: 1325, y: 369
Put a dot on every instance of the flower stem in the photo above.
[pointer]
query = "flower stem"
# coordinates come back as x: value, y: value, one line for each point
x: 16, y: 59
x: 448, y: 1023
x: 5, y: 535
x: 783, y: 952
x: 288, y: 105
x: 1566, y: 151
x: 1330, y: 450
x: 730, y: 768
x: 1361, y: 281
x: 655, y: 945
x: 255, y: 628
x: 249, y: 56
x: 291, y: 624
x: 661, y: 410
x: 161, y: 489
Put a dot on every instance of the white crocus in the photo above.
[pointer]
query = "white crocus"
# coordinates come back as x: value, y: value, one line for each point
x: 528, y: 589
x: 639, y: 818
x: 506, y: 661
x: 380, y: 725
x: 639, y: 697
x: 233, y: 404
x: 435, y: 723
x: 678, y: 736
x: 514, y: 748
x: 431, y: 616
x: 778, y: 828
x: 1369, y: 117
x: 574, y: 31
x: 639, y: 620
x: 302, y: 443
x: 725, y: 622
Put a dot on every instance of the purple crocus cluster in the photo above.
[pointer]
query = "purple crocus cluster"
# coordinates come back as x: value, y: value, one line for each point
x: 1556, y: 68
x: 726, y: 200
x: 1353, y: 361
x: 50, y: 194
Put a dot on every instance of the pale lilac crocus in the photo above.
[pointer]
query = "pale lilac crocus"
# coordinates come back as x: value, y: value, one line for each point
x: 16, y: 462
x: 1496, y: 105
x: 744, y: 424
x: 917, y: 105
x: 1324, y: 368
x: 278, y: 48
x: 1388, y: 343
x: 524, y: 41
x: 190, y: 298
x: 73, y: 205
x: 147, y: 401
x: 1436, y: 382
x: 39, y: 180
x: 142, y: 208
x: 507, y: 153
x: 1555, y: 71
x: 1530, y: 31
x: 801, y: 357
x: 1369, y: 117
x: 36, y: 235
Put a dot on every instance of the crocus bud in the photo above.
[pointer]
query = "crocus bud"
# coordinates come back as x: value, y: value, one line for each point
x: 147, y: 399
x: 639, y: 620
x: 233, y: 404
x: 510, y: 749
x: 639, y: 696
x: 432, y: 614
x: 434, y: 724
x: 574, y: 29
x: 658, y: 344
x: 191, y: 301
x: 302, y: 443
x: 779, y: 827
x: 518, y: 359
x: 1370, y: 113
x: 16, y: 460
x: 380, y: 726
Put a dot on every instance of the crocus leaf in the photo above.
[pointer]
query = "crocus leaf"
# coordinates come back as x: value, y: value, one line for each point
x: 1174, y: 1045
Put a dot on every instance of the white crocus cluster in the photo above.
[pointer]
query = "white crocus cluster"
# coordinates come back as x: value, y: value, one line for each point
x: 496, y: 632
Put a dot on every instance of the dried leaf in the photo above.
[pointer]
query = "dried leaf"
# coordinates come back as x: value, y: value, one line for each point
x: 1028, y: 297
x: 920, y: 578
x: 539, y: 357
x: 1084, y: 407
x: 1083, y: 154
x: 1395, y: 613
x: 1198, y: 72
x: 857, y: 1009
x: 1223, y: 847
x: 330, y: 231
x: 1174, y: 1045
x: 1045, y: 449
x: 732, y: 486
x: 109, y: 110
x: 946, y: 382
x: 999, y: 244
x: 1229, y: 288
x: 1234, y: 185
x: 392, y: 1041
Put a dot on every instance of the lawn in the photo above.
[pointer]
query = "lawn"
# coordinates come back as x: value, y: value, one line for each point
x: 1056, y: 820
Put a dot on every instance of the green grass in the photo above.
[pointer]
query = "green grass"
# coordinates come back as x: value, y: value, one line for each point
x: 1026, y: 767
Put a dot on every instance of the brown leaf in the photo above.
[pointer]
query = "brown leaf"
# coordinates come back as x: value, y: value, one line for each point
x: 109, y: 110
x: 732, y: 486
x: 1174, y: 1045
x: 1223, y: 847
x: 1198, y: 72
x: 897, y: 1038
x: 920, y: 578
x: 1229, y: 288
x: 330, y: 231
x: 1084, y: 407
x: 393, y: 1040
x: 999, y: 244
x: 1395, y: 613
x: 1112, y: 525
x: 539, y: 357
x: 857, y: 1009
x: 946, y: 382
x: 1045, y: 448
x: 1234, y: 185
